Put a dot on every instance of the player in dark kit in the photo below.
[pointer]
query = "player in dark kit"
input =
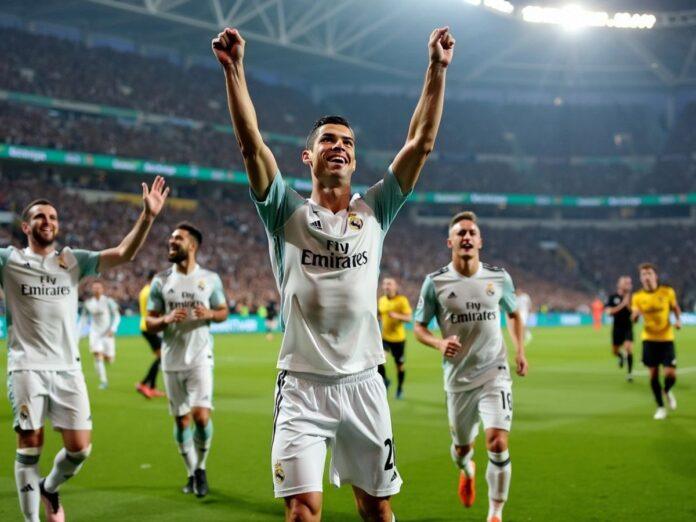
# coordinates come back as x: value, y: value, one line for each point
x: 619, y: 307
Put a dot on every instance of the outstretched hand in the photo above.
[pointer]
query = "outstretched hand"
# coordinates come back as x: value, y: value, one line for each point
x: 155, y: 196
x: 441, y: 46
x: 228, y: 47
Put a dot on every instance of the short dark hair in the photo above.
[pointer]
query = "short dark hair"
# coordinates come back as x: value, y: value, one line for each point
x: 461, y: 216
x: 325, y: 120
x: 647, y: 266
x: 27, y: 209
x: 197, y: 234
x: 151, y: 274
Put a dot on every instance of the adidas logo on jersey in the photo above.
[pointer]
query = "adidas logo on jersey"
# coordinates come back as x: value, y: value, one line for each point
x: 26, y: 488
x: 452, y: 295
x: 316, y: 224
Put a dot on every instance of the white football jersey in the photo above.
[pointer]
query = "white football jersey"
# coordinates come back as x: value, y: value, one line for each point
x: 187, y: 344
x: 103, y: 315
x: 41, y: 297
x: 327, y: 269
x: 469, y: 307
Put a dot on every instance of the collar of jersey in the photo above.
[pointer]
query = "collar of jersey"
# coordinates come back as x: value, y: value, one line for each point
x: 28, y: 252
x: 475, y: 275
x: 317, y: 206
x: 195, y: 270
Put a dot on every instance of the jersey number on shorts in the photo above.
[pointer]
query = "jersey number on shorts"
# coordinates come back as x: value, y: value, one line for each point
x: 391, y: 458
x: 507, y: 399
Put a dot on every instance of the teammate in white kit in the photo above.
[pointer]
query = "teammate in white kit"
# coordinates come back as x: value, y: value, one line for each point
x: 103, y: 315
x: 465, y: 298
x: 44, y: 372
x: 183, y: 301
x: 524, y: 306
x: 325, y: 252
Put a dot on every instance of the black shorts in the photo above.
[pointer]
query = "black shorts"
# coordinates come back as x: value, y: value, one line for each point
x: 397, y: 350
x: 656, y: 353
x: 155, y: 340
x: 621, y: 335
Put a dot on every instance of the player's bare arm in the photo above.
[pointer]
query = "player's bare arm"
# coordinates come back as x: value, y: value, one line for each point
x: 448, y: 347
x: 425, y: 121
x: 156, y: 322
x: 516, y: 329
x: 259, y: 162
x: 405, y: 318
x: 216, y: 315
x: 153, y: 201
x: 676, y: 309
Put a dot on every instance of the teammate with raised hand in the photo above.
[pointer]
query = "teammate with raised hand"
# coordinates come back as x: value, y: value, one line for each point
x: 45, y: 376
x: 325, y: 252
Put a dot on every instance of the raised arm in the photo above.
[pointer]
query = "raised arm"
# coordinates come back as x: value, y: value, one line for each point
x: 153, y: 201
x: 516, y: 329
x: 426, y: 118
x: 259, y: 162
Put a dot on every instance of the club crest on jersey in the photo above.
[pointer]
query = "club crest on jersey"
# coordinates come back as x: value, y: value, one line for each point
x: 24, y: 412
x: 201, y: 284
x: 354, y: 221
x: 490, y: 289
x: 278, y: 472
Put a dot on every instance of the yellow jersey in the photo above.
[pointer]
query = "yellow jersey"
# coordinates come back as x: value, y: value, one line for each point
x: 655, y: 307
x: 142, y: 300
x: 393, y: 329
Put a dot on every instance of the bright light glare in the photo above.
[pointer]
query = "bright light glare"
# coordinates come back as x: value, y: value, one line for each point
x: 473, y: 2
x: 500, y: 5
x: 575, y: 17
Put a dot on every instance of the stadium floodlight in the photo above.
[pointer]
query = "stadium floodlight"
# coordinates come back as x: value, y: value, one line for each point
x: 500, y: 5
x: 576, y: 17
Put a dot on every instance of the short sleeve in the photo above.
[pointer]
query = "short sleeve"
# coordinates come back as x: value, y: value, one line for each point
x: 155, y: 301
x: 508, y: 302
x: 278, y: 205
x: 217, y: 297
x: 427, y: 303
x: 634, y: 302
x: 672, y: 298
x: 385, y: 199
x: 88, y: 261
x: 4, y: 256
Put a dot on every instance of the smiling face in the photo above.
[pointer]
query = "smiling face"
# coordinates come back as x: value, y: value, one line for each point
x: 181, y: 242
x: 332, y: 155
x: 41, y: 225
x: 465, y: 240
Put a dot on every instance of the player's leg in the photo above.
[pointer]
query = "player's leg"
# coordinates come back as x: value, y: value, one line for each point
x: 364, y: 454
x: 669, y: 360
x: 399, y: 354
x: 382, y: 368
x: 27, y: 391
x: 69, y: 412
x: 462, y: 414
x: 652, y: 358
x: 175, y: 384
x: 628, y: 350
x: 495, y: 409
x: 617, y: 340
x: 373, y: 509
x: 304, y: 422
x: 97, y: 348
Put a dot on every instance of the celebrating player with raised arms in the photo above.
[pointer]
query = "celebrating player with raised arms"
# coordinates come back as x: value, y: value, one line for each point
x: 466, y: 297
x: 183, y: 301
x: 104, y: 317
x: 44, y: 371
x: 325, y: 252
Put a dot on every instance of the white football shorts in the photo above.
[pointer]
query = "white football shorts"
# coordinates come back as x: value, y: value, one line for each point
x: 103, y: 344
x: 59, y: 395
x: 492, y: 403
x: 188, y: 389
x: 348, y: 414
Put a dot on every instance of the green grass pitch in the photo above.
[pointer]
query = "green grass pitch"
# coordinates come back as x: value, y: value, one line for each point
x: 584, y: 445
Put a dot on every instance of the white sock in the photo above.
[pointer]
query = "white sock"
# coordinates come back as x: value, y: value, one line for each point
x: 463, y: 462
x: 27, y: 478
x: 498, y: 476
x: 65, y: 466
x: 202, y: 438
x: 101, y: 369
x: 185, y: 443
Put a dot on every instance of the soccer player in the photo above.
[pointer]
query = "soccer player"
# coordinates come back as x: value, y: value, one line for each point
x: 524, y: 306
x: 103, y: 315
x: 394, y: 310
x: 325, y: 252
x: 183, y: 301
x: 654, y: 302
x: 271, y: 319
x: 148, y: 386
x: 466, y: 297
x: 619, y: 307
x: 45, y: 377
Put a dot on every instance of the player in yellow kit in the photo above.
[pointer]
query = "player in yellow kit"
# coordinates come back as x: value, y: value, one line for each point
x: 394, y: 311
x: 654, y: 302
x: 148, y: 387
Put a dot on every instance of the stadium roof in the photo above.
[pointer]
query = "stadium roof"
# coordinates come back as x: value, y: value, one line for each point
x: 350, y: 42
